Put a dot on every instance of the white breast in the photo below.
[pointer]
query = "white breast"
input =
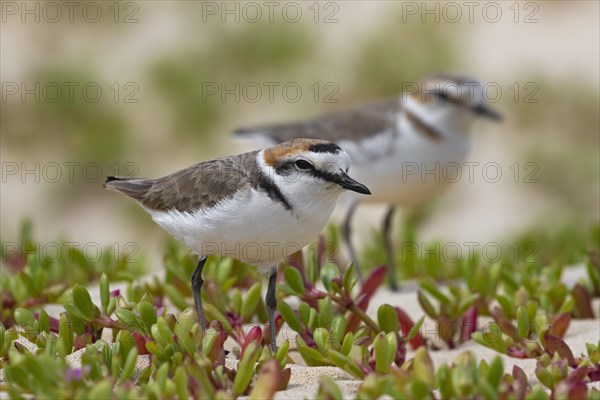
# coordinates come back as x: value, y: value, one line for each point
x: 250, y: 227
x: 407, y: 168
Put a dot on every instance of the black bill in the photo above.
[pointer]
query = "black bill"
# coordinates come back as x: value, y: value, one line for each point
x: 487, y: 112
x: 348, y: 183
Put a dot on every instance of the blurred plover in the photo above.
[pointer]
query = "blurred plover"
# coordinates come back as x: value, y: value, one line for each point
x: 398, y: 146
x: 258, y: 207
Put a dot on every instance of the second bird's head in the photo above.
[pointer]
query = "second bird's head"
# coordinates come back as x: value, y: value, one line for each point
x: 312, y: 167
x: 450, y: 101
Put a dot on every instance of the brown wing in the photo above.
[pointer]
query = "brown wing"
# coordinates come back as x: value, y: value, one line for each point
x: 201, y: 185
x: 355, y: 124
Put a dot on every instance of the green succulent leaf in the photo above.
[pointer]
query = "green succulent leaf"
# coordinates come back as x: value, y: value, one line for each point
x: 416, y: 328
x: 423, y: 366
x: 321, y: 337
x: 346, y: 364
x: 349, y: 278
x: 325, y: 313
x: 492, y: 338
x: 507, y: 304
x: 101, y: 391
x: 338, y: 329
x: 304, y: 313
x: 104, y: 292
x: 129, y: 366
x: 388, y: 318
x: 310, y: 355
x: 467, y: 302
x: 282, y: 353
x: 486, y: 390
x: 328, y: 389
x: 545, y: 377
x: 392, y: 339
x: 246, y: 368
x: 25, y: 318
x: 66, y: 336
x: 426, y: 305
x: 180, y: 379
x: 419, y: 389
x: 523, y: 322
x: 381, y: 350
x: 128, y: 318
x: 175, y: 296
x: 495, y: 373
x: 83, y: 301
x: 538, y: 393
x: 289, y: 316
x: 431, y: 287
x: 347, y: 343
x: 294, y: 280
x: 252, y: 299
x: 147, y: 314
x: 328, y: 272
x: 235, y: 301
x: 214, y: 312
x: 443, y: 382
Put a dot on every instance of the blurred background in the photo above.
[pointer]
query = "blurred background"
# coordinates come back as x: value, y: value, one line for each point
x: 91, y: 89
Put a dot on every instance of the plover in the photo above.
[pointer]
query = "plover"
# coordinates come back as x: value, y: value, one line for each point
x: 258, y: 207
x: 398, y: 146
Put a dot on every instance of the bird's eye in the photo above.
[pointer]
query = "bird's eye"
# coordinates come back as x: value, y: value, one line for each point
x: 443, y: 96
x: 303, y: 165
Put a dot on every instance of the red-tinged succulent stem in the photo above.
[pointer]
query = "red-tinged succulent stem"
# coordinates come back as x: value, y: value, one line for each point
x: 353, y: 308
x: 106, y: 322
x: 468, y: 324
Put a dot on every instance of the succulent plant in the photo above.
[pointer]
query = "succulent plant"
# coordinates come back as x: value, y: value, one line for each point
x: 456, y: 315
x: 152, y: 320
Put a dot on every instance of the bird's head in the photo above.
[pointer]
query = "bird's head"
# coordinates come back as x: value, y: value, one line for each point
x: 449, y: 101
x: 310, y: 166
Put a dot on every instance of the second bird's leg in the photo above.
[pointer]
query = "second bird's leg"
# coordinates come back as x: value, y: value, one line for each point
x: 347, y: 236
x: 389, y: 247
x: 271, y: 302
x: 196, y: 292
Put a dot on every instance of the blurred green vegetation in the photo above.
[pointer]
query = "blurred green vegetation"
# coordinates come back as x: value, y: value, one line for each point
x: 565, y: 119
x: 393, y: 55
x: 84, y: 130
x: 35, y: 272
x: 561, y: 245
x: 261, y: 48
x: 251, y: 53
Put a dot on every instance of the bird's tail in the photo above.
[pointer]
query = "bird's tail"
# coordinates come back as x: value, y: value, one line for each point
x: 131, y: 187
x: 256, y: 136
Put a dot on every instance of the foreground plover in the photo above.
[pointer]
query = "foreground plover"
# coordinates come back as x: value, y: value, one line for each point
x: 258, y: 207
x: 400, y: 147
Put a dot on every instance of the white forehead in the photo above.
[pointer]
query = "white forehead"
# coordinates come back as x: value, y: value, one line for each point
x: 466, y: 89
x: 327, y: 160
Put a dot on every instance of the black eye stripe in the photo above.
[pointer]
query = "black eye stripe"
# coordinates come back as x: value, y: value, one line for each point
x: 443, y: 96
x: 289, y: 167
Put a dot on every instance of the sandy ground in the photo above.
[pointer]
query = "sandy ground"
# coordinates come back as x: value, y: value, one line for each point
x: 304, y: 380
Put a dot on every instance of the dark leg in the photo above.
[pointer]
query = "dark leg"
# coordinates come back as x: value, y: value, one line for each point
x: 347, y: 236
x: 271, y: 302
x: 196, y: 291
x: 389, y: 247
